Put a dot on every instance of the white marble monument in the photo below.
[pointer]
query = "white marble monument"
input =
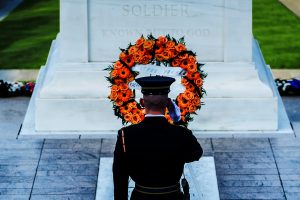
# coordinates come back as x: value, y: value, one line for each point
x: 71, y: 94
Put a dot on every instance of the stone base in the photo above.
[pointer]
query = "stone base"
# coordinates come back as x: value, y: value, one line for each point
x: 201, y: 176
x: 241, y: 101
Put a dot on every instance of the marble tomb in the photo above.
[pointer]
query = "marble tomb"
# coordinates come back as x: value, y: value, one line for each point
x: 70, y: 99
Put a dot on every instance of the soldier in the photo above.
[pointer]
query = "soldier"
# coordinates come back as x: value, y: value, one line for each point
x: 153, y: 152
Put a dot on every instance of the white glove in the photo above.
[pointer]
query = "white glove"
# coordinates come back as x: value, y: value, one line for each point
x: 174, y: 111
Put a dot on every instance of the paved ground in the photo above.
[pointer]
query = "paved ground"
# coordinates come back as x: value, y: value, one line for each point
x: 293, y: 5
x: 278, y: 73
x: 26, y: 74
x: 67, y: 169
x: 22, y: 74
x: 6, y: 6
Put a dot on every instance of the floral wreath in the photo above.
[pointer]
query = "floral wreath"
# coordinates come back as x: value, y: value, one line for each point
x: 164, y: 50
x: 13, y: 89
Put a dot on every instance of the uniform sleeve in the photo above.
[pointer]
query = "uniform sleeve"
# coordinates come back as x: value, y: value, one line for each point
x: 120, y: 173
x: 193, y: 150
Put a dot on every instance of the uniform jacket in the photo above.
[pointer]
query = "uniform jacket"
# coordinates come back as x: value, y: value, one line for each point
x: 156, y: 152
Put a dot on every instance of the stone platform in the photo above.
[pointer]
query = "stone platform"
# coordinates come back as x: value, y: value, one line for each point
x: 201, y: 176
x: 67, y: 169
x: 99, y: 121
x: 71, y: 95
x: 293, y: 5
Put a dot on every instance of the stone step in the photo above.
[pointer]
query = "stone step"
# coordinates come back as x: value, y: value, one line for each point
x: 201, y: 176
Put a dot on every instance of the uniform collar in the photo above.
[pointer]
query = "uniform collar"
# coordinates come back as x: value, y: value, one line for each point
x: 152, y: 115
x: 155, y: 119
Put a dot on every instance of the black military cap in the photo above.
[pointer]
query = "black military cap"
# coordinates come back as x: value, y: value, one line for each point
x: 155, y: 85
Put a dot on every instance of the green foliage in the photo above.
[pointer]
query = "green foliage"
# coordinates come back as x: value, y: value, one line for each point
x: 26, y: 34
x: 277, y: 30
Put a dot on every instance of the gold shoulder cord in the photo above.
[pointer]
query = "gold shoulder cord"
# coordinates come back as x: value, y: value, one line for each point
x: 123, y: 141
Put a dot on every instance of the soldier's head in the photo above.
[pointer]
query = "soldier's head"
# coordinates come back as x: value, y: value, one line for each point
x: 155, y: 103
x: 155, y: 91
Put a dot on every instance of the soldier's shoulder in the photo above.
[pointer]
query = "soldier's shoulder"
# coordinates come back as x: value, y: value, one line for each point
x: 182, y: 130
x: 180, y: 127
x: 131, y: 128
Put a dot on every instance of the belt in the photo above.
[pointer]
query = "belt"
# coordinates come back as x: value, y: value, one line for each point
x: 157, y: 190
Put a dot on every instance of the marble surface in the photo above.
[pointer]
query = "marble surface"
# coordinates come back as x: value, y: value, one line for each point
x: 225, y: 80
x: 240, y: 120
x: 201, y: 176
x: 87, y: 109
x: 72, y: 97
x: 211, y: 28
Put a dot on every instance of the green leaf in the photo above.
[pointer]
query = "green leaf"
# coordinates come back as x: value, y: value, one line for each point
x: 181, y: 40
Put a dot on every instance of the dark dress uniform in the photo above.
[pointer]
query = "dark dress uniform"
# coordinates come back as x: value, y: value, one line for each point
x: 156, y: 152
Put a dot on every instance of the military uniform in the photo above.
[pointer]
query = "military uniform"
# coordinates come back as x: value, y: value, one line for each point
x: 153, y: 152
x: 155, y: 155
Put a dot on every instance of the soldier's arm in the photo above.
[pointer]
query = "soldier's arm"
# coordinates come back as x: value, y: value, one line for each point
x: 193, y: 150
x: 120, y: 173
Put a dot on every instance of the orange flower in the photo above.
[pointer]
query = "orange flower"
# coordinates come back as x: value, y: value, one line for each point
x: 196, y: 101
x: 123, y: 87
x: 118, y: 65
x: 113, y: 95
x: 128, y: 117
x: 188, y: 95
x: 145, y: 59
x: 193, y: 76
x: 189, y: 87
x: 122, y: 55
x: 159, y: 50
x: 183, y: 56
x: 125, y: 109
x: 135, y: 118
x: 118, y: 103
x: 192, y: 59
x: 184, y: 64
x: 137, y: 111
x: 180, y: 47
x: 114, y: 88
x: 130, y: 78
x: 199, y: 82
x: 175, y: 63
x: 118, y: 81
x: 114, y: 73
x: 171, y: 53
x: 192, y: 67
x: 132, y: 50
x: 165, y: 55
x: 183, y: 103
x: 148, y: 44
x: 142, y: 52
x: 183, y: 112
x: 132, y: 105
x: 159, y: 57
x: 125, y: 95
x: 192, y: 108
x: 170, y: 44
x: 129, y: 60
x: 184, y: 81
x: 137, y: 57
x: 161, y: 40
x: 179, y: 98
x: 124, y: 72
x: 140, y: 42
